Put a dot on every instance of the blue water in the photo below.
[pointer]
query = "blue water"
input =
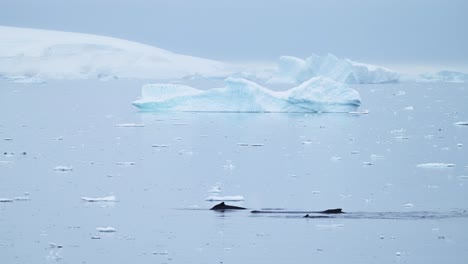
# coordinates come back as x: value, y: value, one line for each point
x: 397, y: 212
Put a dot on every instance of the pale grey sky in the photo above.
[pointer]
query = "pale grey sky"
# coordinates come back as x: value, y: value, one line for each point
x: 391, y: 31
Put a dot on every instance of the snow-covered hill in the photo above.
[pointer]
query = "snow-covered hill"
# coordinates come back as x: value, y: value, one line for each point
x: 44, y: 54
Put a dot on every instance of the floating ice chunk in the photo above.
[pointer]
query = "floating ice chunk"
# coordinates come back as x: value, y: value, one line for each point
x: 107, y: 229
x: 6, y: 200
x: 334, y: 158
x: 365, y: 112
x: 215, y: 189
x: 445, y: 76
x: 295, y: 70
x: 436, y: 165
x: 376, y: 157
x: 22, y: 198
x: 460, y: 145
x: 408, y: 205
x: 409, y: 108
x: 129, y: 125
x: 463, y: 177
x: 399, y: 93
x: 241, y: 95
x: 461, y: 123
x: 125, y: 163
x: 330, y: 226
x: 257, y: 145
x: 63, y: 168
x: 6, y: 162
x: 99, y: 199
x: 160, y: 146
x: 236, y: 198
x: 367, y: 163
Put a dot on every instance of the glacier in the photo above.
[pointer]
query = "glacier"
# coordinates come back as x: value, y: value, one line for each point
x: 318, y: 94
x: 34, y: 55
x: 296, y: 70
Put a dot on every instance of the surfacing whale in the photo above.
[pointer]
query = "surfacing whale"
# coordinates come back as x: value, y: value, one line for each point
x: 222, y: 207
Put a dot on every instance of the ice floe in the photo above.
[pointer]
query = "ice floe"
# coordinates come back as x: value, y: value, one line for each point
x: 129, y: 125
x: 436, y: 165
x: 107, y: 229
x: 99, y: 199
x: 241, y: 95
x: 63, y: 168
x: 235, y: 198
x: 461, y: 123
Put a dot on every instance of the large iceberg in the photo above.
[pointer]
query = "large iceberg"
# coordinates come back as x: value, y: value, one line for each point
x: 32, y: 54
x: 295, y: 70
x: 445, y: 76
x: 240, y: 95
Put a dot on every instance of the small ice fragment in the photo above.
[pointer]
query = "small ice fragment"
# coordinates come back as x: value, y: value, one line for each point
x: 229, y: 165
x: 402, y: 137
x: 22, y: 198
x: 398, y: 131
x: 164, y: 253
x: 125, y: 163
x: 461, y: 123
x: 315, y: 192
x: 257, y: 145
x: 354, y: 152
x: 409, y: 108
x: 399, y: 93
x: 463, y: 177
x: 160, y: 146
x: 129, y: 125
x: 435, y: 165
x: 99, y: 199
x: 365, y: 112
x: 376, y: 157
x: 53, y: 245
x: 398, y: 254
x: 95, y: 237
x: 63, y: 168
x: 408, y: 205
x: 6, y: 162
x: 8, y: 139
x: 459, y: 145
x: 6, y: 200
x: 330, y: 226
x: 236, y: 198
x: 335, y: 158
x: 107, y: 229
x: 58, y: 138
x: 243, y: 144
x: 215, y: 189
x: 367, y: 163
x: 307, y: 142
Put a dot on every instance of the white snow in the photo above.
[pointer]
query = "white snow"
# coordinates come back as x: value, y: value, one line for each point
x: 241, y: 95
x: 435, y: 165
x: 295, y: 70
x: 31, y: 55
x: 235, y: 198
x: 107, y: 229
x: 99, y: 199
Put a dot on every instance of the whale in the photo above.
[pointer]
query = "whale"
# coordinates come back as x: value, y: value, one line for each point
x: 328, y: 211
x: 222, y: 207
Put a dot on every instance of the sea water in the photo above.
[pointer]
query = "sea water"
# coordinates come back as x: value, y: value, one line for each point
x: 159, y: 168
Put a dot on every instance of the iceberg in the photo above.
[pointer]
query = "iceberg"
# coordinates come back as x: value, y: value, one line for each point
x: 33, y: 55
x: 295, y: 70
x: 445, y: 76
x: 240, y: 95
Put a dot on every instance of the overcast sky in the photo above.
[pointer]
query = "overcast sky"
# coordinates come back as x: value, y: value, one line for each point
x: 392, y: 31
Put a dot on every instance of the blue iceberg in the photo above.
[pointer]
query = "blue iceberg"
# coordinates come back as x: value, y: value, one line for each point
x: 240, y: 95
